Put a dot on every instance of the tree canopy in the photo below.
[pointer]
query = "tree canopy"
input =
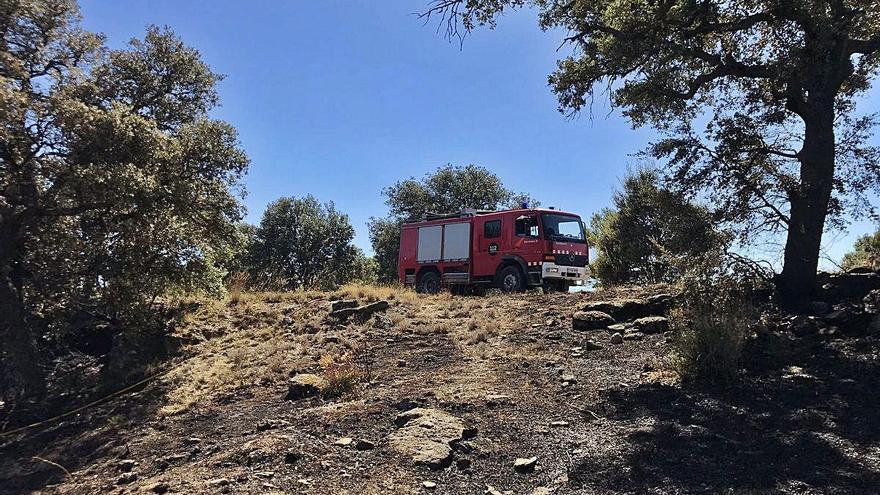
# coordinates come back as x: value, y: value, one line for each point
x: 865, y: 253
x: 755, y: 100
x: 649, y: 228
x: 301, y: 243
x: 116, y: 186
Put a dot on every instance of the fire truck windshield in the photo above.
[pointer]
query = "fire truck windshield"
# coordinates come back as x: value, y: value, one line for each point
x: 563, y: 228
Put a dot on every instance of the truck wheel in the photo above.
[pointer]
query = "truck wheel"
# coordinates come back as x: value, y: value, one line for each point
x: 511, y: 279
x: 429, y: 283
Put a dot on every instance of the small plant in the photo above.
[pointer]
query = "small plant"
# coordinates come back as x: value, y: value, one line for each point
x: 343, y: 373
x: 712, y: 322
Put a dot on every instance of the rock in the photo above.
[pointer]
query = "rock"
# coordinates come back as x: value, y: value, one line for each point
x: 126, y: 465
x: 541, y: 490
x: 872, y: 301
x: 523, y: 465
x: 591, y: 320
x: 493, y: 400
x: 343, y: 442
x: 159, y: 487
x: 291, y: 456
x: 429, y: 485
x: 490, y: 490
x: 568, y: 377
x: 362, y: 444
x: 427, y: 436
x: 305, y: 385
x: 651, y: 324
x: 617, y: 339
x: 126, y: 478
x: 401, y: 363
x: 558, y: 424
x: 362, y: 312
x: 633, y: 336
x: 848, y: 286
x: 820, y: 308
x: 849, y: 320
x: 218, y: 482
x: 343, y: 304
x: 463, y: 464
x: 660, y: 303
x: 271, y: 424
x: 591, y: 346
x: 803, y: 326
x: 623, y: 309
x: 617, y: 327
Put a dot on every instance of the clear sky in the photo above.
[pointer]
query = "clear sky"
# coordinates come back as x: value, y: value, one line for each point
x: 339, y: 99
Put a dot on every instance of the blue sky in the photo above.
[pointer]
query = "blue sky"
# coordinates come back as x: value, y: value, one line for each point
x: 339, y: 99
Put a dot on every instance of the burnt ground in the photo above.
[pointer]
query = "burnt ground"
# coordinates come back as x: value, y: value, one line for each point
x: 803, y: 419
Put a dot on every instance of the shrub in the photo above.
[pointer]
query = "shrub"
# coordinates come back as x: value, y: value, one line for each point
x: 712, y: 323
x: 343, y: 373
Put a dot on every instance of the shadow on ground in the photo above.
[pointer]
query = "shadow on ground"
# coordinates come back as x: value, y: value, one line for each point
x: 812, y: 429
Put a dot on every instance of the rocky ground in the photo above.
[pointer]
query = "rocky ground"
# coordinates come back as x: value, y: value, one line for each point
x: 526, y: 394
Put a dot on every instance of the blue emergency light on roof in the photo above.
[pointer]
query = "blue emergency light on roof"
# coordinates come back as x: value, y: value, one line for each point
x: 525, y: 205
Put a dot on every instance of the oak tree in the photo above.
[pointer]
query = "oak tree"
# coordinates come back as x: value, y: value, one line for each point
x: 116, y: 186
x: 755, y: 100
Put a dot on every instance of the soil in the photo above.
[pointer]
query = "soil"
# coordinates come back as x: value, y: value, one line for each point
x: 803, y: 418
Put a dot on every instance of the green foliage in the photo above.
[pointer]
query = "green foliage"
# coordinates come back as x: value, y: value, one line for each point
x: 301, y: 243
x: 450, y: 189
x: 115, y: 185
x: 446, y: 190
x: 865, y: 253
x: 755, y: 101
x: 646, y: 230
x: 364, y: 269
x: 385, y: 239
x: 712, y: 321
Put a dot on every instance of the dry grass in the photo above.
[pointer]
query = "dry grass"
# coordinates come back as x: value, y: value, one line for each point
x: 259, y: 338
x: 342, y: 372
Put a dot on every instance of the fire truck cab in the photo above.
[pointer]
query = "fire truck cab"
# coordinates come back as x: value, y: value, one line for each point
x: 510, y: 249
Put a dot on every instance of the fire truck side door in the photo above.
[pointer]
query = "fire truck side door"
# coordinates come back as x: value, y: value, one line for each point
x: 487, y: 246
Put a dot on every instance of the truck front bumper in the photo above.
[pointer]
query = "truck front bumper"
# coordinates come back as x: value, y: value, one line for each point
x: 578, y: 275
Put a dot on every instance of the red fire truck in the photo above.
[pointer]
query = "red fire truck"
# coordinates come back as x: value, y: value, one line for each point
x: 510, y: 249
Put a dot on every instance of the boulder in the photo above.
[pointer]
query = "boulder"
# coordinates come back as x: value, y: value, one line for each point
x: 803, y: 326
x: 617, y: 339
x: 627, y: 309
x: 591, y: 320
x: 848, y: 286
x: 849, y: 320
x: 362, y: 312
x: 427, y: 436
x: 820, y: 308
x: 651, y: 324
x: 343, y: 304
x: 305, y: 385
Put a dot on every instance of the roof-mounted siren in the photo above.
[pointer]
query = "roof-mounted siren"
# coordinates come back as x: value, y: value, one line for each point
x: 525, y: 205
x: 551, y: 207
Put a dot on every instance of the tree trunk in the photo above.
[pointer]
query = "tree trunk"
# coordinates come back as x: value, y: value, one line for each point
x: 20, y: 360
x: 809, y: 207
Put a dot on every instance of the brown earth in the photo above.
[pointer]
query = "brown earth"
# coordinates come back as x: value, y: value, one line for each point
x: 805, y: 418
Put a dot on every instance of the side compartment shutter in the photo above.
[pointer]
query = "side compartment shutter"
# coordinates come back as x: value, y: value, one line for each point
x: 457, y: 241
x: 429, y: 243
